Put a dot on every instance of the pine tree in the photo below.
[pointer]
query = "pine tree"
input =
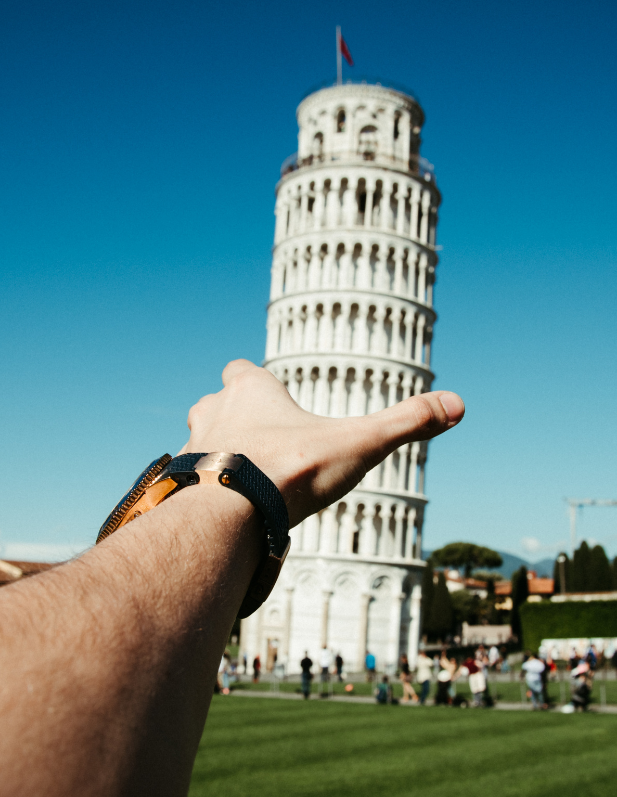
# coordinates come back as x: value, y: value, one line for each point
x: 441, y: 613
x: 615, y: 573
x: 428, y: 590
x: 600, y: 577
x: 580, y: 569
x: 520, y: 592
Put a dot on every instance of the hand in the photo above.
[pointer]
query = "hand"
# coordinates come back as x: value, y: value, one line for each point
x: 313, y: 460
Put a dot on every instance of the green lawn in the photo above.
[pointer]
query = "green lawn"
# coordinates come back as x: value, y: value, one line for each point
x: 255, y: 747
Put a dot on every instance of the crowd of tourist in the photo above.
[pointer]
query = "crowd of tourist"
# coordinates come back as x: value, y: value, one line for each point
x: 445, y: 672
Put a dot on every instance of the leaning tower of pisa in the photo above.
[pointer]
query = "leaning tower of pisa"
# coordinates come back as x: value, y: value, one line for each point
x: 350, y: 325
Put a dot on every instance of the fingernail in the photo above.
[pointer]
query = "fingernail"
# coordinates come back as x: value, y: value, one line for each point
x: 453, y: 405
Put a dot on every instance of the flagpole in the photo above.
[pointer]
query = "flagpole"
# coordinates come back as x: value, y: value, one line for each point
x: 339, y: 60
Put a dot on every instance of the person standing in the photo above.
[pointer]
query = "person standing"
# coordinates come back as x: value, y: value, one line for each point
x: 256, y: 668
x: 408, y: 690
x: 223, y: 674
x: 444, y: 694
x: 339, y: 666
x: 325, y: 662
x: 370, y: 665
x: 533, y: 669
x: 424, y: 669
x: 383, y: 693
x: 307, y: 675
x: 477, y: 681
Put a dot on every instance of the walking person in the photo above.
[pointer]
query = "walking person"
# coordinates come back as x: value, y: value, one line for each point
x: 424, y: 670
x: 532, y: 670
x: 325, y: 662
x: 409, y: 692
x: 256, y: 669
x: 444, y: 695
x: 370, y: 665
x: 339, y: 666
x: 307, y: 675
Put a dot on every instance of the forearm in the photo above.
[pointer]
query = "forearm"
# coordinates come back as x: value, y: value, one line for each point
x: 108, y: 662
x: 114, y: 700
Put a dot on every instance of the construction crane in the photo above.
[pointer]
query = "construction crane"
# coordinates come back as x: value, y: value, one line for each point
x: 578, y: 503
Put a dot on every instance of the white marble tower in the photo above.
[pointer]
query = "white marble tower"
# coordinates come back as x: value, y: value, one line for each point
x: 350, y: 325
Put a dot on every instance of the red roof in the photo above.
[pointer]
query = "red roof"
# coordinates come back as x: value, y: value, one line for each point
x: 537, y: 586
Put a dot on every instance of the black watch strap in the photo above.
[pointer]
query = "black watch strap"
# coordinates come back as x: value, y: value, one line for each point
x: 242, y: 476
x: 238, y: 473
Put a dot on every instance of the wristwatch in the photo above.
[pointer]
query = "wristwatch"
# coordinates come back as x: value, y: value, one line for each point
x: 166, y: 476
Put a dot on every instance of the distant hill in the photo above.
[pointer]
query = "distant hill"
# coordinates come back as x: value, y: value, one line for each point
x: 511, y: 563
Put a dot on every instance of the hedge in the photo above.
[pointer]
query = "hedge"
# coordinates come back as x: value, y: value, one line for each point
x: 567, y: 620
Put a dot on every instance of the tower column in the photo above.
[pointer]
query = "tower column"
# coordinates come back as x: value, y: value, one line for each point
x: 287, y: 635
x: 399, y: 517
x: 426, y: 207
x: 414, y: 625
x: 419, y: 338
x: 400, y: 211
x: 325, y: 616
x: 415, y: 204
x: 368, y: 211
x: 365, y: 599
x: 394, y: 631
x: 411, y: 517
x: 418, y: 543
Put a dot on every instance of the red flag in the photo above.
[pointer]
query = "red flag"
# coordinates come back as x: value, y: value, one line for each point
x: 345, y: 51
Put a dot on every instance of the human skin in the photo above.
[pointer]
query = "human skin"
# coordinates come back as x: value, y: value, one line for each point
x: 108, y: 662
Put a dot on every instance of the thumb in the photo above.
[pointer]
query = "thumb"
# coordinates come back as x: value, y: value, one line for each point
x: 417, y: 418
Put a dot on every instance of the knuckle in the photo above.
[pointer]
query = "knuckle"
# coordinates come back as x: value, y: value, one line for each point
x: 197, y: 410
x: 427, y: 416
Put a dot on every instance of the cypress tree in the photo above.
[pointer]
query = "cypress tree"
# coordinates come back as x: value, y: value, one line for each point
x: 520, y: 592
x: 556, y: 577
x: 428, y: 590
x: 600, y: 577
x: 441, y: 614
x: 580, y: 569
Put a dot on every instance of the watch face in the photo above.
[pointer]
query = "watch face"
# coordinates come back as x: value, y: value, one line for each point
x: 138, y: 488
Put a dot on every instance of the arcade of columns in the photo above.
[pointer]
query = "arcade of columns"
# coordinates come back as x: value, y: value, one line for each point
x: 349, y: 332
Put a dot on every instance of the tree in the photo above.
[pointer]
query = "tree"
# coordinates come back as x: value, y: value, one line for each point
x: 520, y: 593
x: 441, y: 616
x: 580, y: 569
x: 428, y: 590
x: 600, y: 577
x: 567, y: 571
x: 615, y: 573
x: 466, y: 608
x: 466, y: 556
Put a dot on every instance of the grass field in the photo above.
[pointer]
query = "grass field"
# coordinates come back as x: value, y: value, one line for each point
x: 281, y: 748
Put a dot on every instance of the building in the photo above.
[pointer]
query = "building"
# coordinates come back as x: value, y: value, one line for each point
x: 456, y: 581
x: 349, y: 326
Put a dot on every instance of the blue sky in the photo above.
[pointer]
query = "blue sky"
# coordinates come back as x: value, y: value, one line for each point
x: 139, y: 150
